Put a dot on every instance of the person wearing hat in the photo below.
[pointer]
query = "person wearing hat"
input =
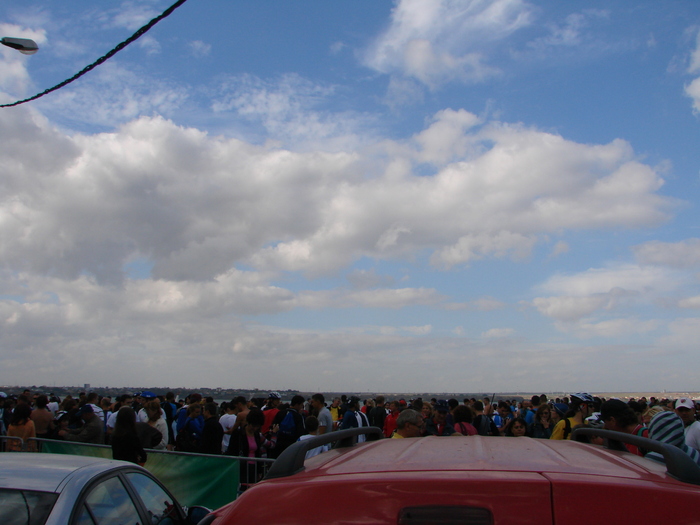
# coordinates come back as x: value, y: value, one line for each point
x: 92, y: 430
x: 271, y: 410
x: 618, y: 416
x: 438, y: 425
x: 685, y: 408
x: 581, y: 407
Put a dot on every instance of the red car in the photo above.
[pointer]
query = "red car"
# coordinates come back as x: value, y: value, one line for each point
x: 473, y: 480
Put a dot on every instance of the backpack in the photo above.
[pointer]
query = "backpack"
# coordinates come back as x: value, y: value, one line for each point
x: 288, y: 426
x: 185, y: 441
x: 484, y: 425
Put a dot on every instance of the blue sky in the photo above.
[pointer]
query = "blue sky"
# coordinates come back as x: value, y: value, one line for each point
x: 453, y: 195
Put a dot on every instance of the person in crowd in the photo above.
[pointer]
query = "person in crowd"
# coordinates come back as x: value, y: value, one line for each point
x: 42, y: 417
x: 226, y: 421
x: 189, y: 435
x: 650, y: 412
x: 212, y: 433
x: 667, y: 427
x: 502, y: 417
x: 618, y: 416
x: 126, y: 445
x: 559, y: 411
x: 92, y: 430
x: 542, y: 425
x: 325, y: 419
x: 271, y: 410
x: 685, y: 408
x: 377, y: 415
x: 21, y: 426
x: 290, y: 424
x: 390, y: 419
x: 183, y: 416
x: 581, y: 407
x: 312, y: 429
x: 438, y: 425
x: 463, y: 416
x: 337, y: 412
x: 249, y: 442
x: 409, y: 424
x: 517, y: 427
x: 532, y: 409
x: 156, y: 421
x: 354, y: 418
x: 170, y: 410
x: 93, y: 399
x: 426, y: 411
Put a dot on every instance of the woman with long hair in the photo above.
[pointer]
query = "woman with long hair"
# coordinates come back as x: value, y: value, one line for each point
x: 156, y: 421
x: 126, y: 445
x: 21, y: 426
x: 463, y: 418
x: 248, y: 441
x: 542, y: 426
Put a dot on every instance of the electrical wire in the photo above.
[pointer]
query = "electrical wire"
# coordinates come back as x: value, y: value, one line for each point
x: 104, y: 58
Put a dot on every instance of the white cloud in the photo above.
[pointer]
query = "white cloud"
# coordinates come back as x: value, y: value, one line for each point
x: 436, y: 41
x: 623, y: 278
x: 195, y: 206
x: 199, y: 48
x: 572, y: 32
x: 111, y: 95
x: 693, y: 89
x: 497, y: 333
x: 682, y: 254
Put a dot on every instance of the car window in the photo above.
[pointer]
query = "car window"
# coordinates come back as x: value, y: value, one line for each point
x: 108, y: 503
x: 160, y: 506
x: 24, y: 507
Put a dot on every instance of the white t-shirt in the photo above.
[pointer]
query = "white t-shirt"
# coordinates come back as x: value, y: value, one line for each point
x: 314, y: 451
x: 692, y: 435
x: 226, y: 421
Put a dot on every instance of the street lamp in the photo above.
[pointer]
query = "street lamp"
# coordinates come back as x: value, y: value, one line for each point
x: 23, y: 45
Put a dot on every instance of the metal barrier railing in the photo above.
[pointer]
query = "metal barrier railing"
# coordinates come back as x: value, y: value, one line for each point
x: 7, y: 444
x: 255, y: 470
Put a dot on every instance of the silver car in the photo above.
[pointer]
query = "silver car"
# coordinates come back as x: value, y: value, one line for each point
x: 57, y: 489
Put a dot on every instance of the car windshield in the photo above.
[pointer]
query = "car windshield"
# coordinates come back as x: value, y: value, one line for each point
x: 25, y: 507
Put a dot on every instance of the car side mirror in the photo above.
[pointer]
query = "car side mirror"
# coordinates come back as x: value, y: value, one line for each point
x: 196, y: 513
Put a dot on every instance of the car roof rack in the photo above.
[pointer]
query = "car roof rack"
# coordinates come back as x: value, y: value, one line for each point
x: 679, y: 465
x: 292, y: 459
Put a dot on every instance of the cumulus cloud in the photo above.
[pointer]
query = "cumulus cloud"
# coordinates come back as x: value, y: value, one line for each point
x: 578, y: 298
x: 682, y: 254
x: 195, y: 206
x: 497, y: 333
x: 436, y: 42
x: 693, y: 88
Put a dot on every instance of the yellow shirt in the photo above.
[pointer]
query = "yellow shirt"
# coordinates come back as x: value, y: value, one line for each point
x: 397, y: 435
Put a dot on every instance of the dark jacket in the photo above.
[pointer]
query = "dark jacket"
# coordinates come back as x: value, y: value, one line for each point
x: 212, y: 435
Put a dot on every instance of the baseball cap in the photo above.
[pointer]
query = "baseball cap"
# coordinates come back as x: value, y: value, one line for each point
x: 684, y: 402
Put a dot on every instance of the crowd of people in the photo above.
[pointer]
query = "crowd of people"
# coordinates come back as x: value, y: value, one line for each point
x: 264, y: 428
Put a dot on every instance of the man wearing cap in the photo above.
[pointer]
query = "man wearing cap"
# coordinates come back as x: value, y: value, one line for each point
x: 271, y: 410
x: 685, y: 408
x: 92, y: 430
x: 439, y: 426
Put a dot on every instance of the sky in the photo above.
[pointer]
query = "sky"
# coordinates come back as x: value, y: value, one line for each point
x: 413, y: 196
